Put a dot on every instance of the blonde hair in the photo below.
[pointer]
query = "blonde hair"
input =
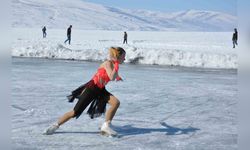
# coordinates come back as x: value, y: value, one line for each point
x: 116, y: 52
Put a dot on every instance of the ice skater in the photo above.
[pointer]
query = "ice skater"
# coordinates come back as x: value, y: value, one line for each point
x: 94, y: 93
x: 235, y: 38
x: 125, y: 38
x: 44, y: 32
x: 68, y: 35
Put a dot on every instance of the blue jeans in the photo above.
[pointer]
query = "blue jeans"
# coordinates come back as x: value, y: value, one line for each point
x: 44, y: 34
x: 234, y: 43
x: 68, y: 39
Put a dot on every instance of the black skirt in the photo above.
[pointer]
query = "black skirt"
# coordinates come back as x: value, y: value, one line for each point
x: 90, y: 94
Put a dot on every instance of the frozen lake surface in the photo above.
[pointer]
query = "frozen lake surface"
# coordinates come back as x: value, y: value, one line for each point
x: 161, y: 107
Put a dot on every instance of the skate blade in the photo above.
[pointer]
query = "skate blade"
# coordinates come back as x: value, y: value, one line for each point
x: 47, y: 133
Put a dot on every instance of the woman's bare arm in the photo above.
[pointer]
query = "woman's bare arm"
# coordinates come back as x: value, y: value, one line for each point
x: 111, y: 72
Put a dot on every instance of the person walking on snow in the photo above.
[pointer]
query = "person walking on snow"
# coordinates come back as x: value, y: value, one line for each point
x: 68, y: 35
x: 44, y: 32
x: 125, y: 38
x: 235, y: 38
x: 94, y: 93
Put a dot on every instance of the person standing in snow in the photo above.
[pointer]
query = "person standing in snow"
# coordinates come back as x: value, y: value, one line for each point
x: 94, y: 93
x: 68, y: 35
x: 125, y: 38
x: 44, y: 32
x: 235, y: 38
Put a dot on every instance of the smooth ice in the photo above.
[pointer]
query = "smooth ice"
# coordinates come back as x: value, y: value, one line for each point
x: 161, y: 107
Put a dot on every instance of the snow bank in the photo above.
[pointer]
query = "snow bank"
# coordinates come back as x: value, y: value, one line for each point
x: 205, y: 50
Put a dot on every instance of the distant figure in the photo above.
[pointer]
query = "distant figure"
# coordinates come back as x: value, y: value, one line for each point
x: 125, y: 38
x: 68, y: 34
x: 44, y: 32
x: 235, y: 38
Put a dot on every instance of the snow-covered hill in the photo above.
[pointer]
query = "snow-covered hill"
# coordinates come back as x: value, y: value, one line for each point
x: 91, y: 16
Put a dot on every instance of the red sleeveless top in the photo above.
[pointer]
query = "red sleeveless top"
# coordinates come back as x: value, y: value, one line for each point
x: 101, y: 78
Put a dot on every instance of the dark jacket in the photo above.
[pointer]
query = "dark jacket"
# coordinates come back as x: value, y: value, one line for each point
x: 69, y: 32
x: 44, y: 29
x: 125, y: 36
x: 235, y: 36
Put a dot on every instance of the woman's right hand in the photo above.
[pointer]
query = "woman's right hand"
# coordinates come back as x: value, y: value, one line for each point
x: 118, y: 78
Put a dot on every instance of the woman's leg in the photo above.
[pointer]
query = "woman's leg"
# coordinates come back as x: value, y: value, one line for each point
x: 66, y: 117
x: 114, y: 104
x: 61, y: 120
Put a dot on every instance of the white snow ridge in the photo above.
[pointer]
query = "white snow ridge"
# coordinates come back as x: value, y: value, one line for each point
x: 189, y: 49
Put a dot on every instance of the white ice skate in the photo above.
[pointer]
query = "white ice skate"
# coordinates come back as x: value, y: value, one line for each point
x: 106, y: 130
x: 51, y: 129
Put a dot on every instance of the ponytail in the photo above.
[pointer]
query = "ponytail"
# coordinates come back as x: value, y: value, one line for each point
x: 116, y: 52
